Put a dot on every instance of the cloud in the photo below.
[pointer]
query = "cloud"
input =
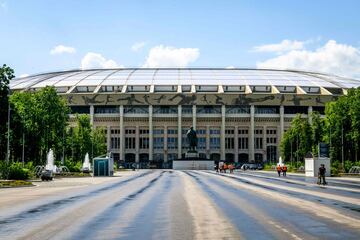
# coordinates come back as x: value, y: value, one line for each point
x: 60, y: 49
x: 96, y: 60
x: 283, y: 46
x: 3, y: 5
x: 166, y: 56
x: 339, y: 59
x: 137, y: 46
x: 23, y: 75
x: 230, y: 67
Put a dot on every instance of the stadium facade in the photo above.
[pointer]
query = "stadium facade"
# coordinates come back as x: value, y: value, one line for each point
x: 240, y: 115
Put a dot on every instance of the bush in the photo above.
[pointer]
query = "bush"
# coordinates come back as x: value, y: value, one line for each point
x: 13, y: 171
x: 73, y: 166
x: 17, y: 172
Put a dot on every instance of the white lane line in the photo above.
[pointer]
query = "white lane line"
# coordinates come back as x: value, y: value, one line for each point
x: 285, y: 230
x: 330, y: 196
x: 312, y: 207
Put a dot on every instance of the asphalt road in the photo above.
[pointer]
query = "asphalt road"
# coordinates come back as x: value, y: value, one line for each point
x: 167, y: 204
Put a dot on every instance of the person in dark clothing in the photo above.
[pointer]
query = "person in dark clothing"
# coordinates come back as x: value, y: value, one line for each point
x: 278, y: 169
x: 321, y: 174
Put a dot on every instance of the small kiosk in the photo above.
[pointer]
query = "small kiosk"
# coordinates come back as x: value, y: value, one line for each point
x: 312, y: 163
x: 103, y: 167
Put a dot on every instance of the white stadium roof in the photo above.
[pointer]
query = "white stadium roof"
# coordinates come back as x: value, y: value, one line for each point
x: 182, y: 80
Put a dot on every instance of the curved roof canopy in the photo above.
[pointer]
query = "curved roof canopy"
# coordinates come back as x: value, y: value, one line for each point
x: 185, y: 80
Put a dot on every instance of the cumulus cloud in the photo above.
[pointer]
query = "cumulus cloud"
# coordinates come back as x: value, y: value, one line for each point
x: 60, y: 49
x: 137, y: 46
x: 166, y: 56
x: 339, y: 59
x: 283, y: 46
x: 23, y: 75
x: 96, y: 60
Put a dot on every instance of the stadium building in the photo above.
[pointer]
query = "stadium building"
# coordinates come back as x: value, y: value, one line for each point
x: 240, y: 115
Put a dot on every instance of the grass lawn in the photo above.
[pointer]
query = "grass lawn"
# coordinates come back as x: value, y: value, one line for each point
x: 14, y: 183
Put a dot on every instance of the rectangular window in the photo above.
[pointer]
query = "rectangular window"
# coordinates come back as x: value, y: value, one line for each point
x: 201, y: 143
x: 172, y: 143
x: 258, y: 143
x: 229, y: 143
x: 115, y: 143
x: 144, y: 131
x: 158, y: 131
x: 172, y: 131
x: 258, y: 131
x: 229, y: 131
x: 158, y: 143
x: 271, y: 140
x: 214, y: 131
x: 243, y: 143
x: 201, y: 131
x: 214, y: 143
x: 129, y: 143
x: 270, y: 131
x: 243, y: 131
x: 144, y: 143
x: 130, y: 131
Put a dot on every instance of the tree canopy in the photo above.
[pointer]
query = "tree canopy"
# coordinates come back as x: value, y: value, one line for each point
x: 6, y: 74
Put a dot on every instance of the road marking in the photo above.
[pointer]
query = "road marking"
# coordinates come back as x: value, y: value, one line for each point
x: 285, y: 230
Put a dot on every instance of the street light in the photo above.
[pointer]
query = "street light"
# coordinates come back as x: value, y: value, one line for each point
x: 8, y: 129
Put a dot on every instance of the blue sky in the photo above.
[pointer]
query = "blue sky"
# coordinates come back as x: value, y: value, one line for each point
x: 46, y: 35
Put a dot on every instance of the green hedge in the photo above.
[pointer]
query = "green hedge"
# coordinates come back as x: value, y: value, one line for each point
x: 13, y: 171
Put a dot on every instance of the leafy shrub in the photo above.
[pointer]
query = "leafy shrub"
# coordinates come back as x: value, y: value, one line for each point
x: 4, y: 170
x: 73, y: 166
x: 17, y: 172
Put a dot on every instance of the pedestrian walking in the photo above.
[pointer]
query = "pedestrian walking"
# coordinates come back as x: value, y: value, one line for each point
x: 278, y: 168
x: 225, y: 167
x: 321, y: 174
x: 284, y: 169
x: 221, y: 167
x: 217, y: 168
x: 231, y: 168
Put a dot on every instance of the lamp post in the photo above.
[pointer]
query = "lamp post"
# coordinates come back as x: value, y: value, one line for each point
x: 8, y: 129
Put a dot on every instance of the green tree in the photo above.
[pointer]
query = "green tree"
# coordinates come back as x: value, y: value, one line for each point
x: 317, y: 129
x: 43, y: 116
x: 297, y: 140
x: 83, y: 138
x: 6, y: 74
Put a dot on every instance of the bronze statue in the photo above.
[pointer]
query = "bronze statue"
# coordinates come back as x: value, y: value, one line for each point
x: 192, y: 138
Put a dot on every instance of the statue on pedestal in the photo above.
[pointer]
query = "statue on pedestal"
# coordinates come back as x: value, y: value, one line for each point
x: 192, y: 138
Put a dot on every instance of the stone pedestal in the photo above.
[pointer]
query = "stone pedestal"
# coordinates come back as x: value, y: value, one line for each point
x: 192, y: 155
x: 192, y: 162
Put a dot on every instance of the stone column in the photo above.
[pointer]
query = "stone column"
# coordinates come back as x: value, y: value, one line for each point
x: 122, y: 133
x: 151, y: 137
x: 179, y: 131
x: 165, y: 144
x: 236, y: 143
x: 208, y: 141
x: 310, y: 110
x: 137, y: 143
x: 281, y: 122
x: 264, y: 142
x: 222, y: 133
x: 251, y: 134
x: 92, y: 115
x: 108, y: 139
x: 194, y: 117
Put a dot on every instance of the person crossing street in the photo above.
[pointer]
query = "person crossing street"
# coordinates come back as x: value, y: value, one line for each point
x: 278, y: 168
x: 284, y: 169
